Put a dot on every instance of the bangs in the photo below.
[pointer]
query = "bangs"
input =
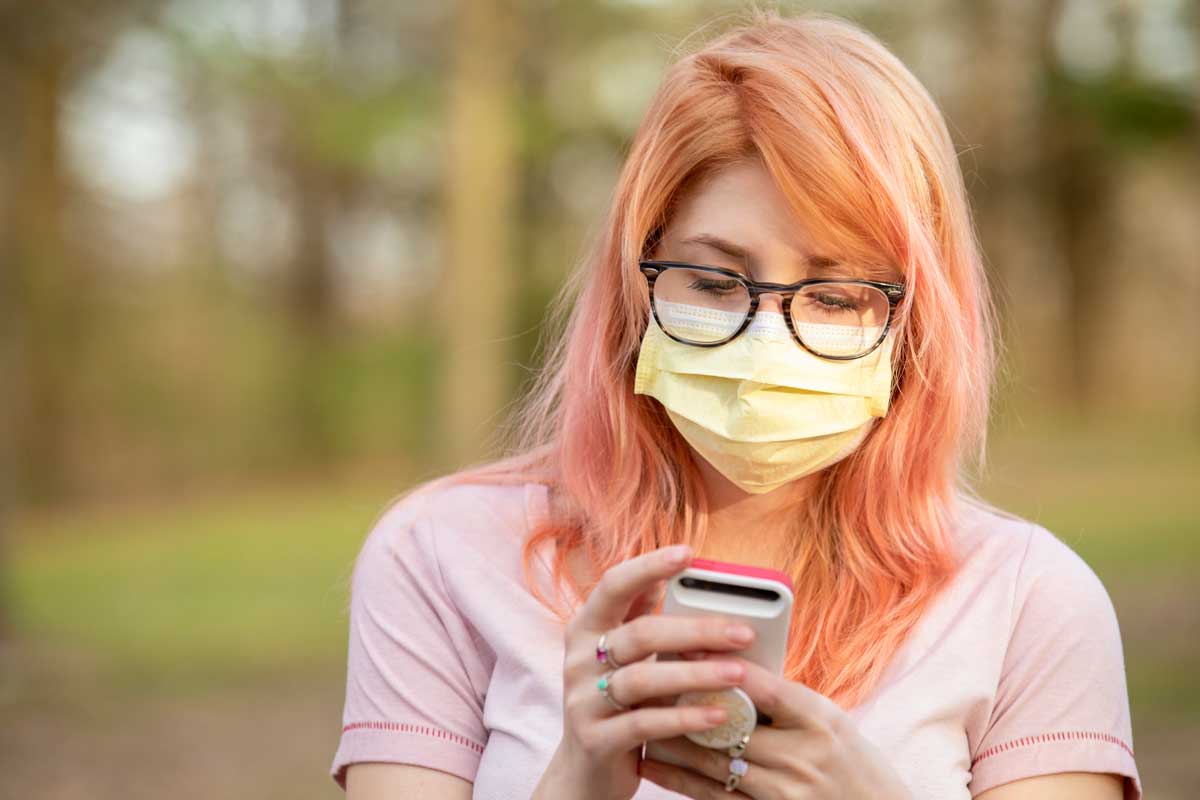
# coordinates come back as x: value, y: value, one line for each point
x: 834, y: 183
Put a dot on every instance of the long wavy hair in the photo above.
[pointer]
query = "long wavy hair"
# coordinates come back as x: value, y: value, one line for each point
x: 863, y: 155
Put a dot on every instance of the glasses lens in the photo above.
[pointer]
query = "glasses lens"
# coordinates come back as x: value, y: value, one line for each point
x: 840, y: 319
x: 699, y: 306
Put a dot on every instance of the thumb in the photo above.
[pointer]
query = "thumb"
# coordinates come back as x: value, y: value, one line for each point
x: 648, y: 601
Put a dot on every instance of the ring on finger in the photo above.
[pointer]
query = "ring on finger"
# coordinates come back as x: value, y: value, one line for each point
x: 604, y: 655
x: 605, y: 687
x: 738, y: 768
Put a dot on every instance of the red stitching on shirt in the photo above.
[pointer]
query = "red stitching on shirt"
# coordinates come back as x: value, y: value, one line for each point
x: 405, y: 727
x: 1058, y: 736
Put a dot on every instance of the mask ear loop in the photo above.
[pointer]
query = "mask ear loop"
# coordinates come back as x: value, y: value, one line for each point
x: 885, y: 375
x: 899, y: 362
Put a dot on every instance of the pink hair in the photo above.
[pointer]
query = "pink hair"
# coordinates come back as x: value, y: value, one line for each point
x: 863, y: 155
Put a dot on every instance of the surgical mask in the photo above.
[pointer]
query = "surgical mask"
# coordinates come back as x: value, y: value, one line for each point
x: 761, y: 409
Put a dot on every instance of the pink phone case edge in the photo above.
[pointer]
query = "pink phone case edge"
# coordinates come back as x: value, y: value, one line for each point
x: 743, y: 569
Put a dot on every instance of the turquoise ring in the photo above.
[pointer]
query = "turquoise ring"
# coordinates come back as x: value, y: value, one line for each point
x: 604, y: 685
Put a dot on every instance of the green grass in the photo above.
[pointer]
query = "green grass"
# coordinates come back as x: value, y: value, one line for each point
x: 250, y: 587
x: 1125, y: 499
x: 201, y: 594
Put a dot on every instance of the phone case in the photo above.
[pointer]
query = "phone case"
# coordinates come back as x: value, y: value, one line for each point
x: 758, y: 596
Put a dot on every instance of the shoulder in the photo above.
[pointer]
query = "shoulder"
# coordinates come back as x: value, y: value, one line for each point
x: 1037, y: 577
x: 438, y: 530
x: 1031, y: 553
x: 981, y: 524
x: 446, y: 511
x: 1048, y: 588
x: 1057, y: 589
x: 992, y: 545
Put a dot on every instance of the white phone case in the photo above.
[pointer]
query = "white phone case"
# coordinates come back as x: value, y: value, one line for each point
x: 761, y: 598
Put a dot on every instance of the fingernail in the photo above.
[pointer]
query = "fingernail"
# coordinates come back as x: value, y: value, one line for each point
x: 739, y: 633
x: 731, y: 671
x: 714, y: 714
x: 679, y: 553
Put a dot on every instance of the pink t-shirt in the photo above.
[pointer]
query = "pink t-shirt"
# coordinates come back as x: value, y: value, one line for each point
x: 1015, y: 671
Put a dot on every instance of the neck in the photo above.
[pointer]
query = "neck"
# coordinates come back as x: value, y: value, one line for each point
x: 743, y: 527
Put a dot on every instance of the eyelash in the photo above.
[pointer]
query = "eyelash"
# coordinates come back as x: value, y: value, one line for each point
x: 713, y: 286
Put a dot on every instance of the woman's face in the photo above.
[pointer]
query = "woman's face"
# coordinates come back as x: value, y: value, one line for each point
x: 738, y: 219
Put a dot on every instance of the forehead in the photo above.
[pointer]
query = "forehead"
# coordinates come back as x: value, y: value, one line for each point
x: 741, y: 202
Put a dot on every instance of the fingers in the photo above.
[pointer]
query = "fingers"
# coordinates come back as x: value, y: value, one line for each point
x: 687, y: 782
x: 648, y: 600
x: 701, y: 763
x: 769, y: 747
x: 610, y: 602
x: 655, y: 633
x: 629, y: 729
x: 790, y: 704
x: 649, y: 680
x: 775, y: 748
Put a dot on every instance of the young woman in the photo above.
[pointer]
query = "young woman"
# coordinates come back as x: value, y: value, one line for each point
x: 780, y: 355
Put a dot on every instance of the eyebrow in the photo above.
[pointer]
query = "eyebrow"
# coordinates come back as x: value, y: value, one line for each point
x: 737, y: 251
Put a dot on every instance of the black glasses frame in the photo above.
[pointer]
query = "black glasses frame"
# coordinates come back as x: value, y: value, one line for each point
x: 894, y: 292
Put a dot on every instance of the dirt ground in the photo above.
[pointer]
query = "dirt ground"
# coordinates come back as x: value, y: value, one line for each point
x: 265, y: 742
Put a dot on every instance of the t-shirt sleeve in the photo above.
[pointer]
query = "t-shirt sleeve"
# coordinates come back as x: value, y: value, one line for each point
x: 415, y: 680
x: 1062, y: 703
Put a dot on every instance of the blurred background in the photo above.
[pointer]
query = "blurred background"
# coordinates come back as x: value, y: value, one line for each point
x: 238, y: 239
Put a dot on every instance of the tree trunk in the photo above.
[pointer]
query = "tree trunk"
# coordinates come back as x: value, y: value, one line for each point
x: 1011, y: 195
x: 47, y: 292
x: 311, y: 309
x: 477, y: 292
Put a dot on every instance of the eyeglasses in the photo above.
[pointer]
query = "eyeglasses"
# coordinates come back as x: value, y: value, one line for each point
x: 834, y: 318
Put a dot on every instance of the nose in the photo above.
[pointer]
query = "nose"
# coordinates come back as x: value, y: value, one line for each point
x: 770, y: 302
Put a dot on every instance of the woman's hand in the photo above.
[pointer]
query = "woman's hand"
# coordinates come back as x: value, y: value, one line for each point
x: 811, y: 750
x: 598, y: 756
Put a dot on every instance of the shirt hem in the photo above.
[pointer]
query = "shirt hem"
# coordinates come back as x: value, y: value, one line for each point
x: 1047, y: 754
x: 403, y: 743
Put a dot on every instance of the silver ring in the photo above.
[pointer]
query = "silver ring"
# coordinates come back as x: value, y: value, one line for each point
x: 739, y: 748
x: 604, y: 655
x: 604, y: 685
x: 738, y: 768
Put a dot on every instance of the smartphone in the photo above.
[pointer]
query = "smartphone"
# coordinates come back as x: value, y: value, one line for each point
x: 757, y: 596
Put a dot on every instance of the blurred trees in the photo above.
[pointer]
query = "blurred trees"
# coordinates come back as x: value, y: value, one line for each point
x: 1009, y: 126
x: 46, y: 284
x: 242, y: 237
x: 479, y: 285
x: 1096, y: 126
x: 44, y: 290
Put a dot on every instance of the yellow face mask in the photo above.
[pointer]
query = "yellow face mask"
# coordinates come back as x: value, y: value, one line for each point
x: 761, y: 409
